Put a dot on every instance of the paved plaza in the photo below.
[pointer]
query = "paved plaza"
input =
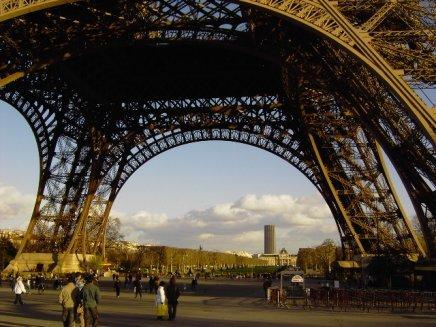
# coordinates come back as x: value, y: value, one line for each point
x: 217, y: 303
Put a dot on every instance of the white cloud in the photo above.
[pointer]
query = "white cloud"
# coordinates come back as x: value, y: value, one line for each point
x: 206, y: 236
x: 251, y: 236
x: 15, y: 207
x: 147, y: 220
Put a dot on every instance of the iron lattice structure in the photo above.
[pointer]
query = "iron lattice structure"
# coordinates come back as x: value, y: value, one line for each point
x: 325, y: 85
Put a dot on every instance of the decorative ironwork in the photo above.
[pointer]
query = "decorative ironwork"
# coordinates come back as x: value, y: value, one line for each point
x: 107, y: 86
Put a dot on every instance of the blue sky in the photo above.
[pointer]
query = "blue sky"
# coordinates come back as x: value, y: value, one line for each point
x: 217, y: 194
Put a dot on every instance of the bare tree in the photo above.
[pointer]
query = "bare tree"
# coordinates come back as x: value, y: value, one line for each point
x: 113, y: 234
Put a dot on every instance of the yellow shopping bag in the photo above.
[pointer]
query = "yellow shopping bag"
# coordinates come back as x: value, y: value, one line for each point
x: 161, y: 310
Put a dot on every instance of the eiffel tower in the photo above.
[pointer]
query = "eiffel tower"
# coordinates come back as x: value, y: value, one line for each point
x: 328, y: 86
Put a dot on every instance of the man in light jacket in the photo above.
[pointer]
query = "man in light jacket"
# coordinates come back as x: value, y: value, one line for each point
x: 18, y: 290
x: 68, y: 299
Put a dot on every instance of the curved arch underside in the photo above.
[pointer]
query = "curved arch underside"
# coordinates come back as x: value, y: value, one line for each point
x: 108, y: 86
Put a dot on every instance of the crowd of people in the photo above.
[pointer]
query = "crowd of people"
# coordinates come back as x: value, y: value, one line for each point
x: 35, y: 282
x: 166, y: 297
x: 80, y: 295
x: 79, y: 299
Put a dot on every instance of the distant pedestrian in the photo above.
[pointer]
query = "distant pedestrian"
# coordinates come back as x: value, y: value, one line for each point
x: 137, y: 286
x: 151, y: 284
x: 91, y: 298
x: 126, y: 281
x: 11, y: 282
x: 266, y: 284
x: 117, y: 286
x: 172, y: 294
x: 18, y: 290
x: 68, y: 299
x: 130, y: 280
x: 161, y: 307
x: 56, y: 282
x: 41, y: 284
x: 79, y: 311
x: 33, y: 277
x: 194, y: 282
x: 28, y: 284
x: 156, y: 283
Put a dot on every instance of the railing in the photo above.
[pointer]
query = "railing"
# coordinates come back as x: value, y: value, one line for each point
x: 362, y: 300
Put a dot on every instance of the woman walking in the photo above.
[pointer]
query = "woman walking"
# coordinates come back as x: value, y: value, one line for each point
x: 18, y: 290
x: 161, y: 307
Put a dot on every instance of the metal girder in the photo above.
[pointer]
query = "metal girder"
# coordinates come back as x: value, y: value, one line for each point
x: 378, y: 17
x: 111, y: 116
x: 400, y: 139
x: 334, y: 192
x: 350, y: 163
x: 323, y: 17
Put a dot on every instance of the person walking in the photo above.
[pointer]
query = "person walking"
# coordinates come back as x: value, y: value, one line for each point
x: 130, y: 280
x: 161, y: 307
x: 266, y: 284
x: 18, y: 290
x: 28, y: 285
x: 117, y: 286
x: 194, y: 282
x: 91, y: 298
x: 11, y: 282
x: 68, y: 299
x: 41, y: 284
x: 79, y: 311
x: 151, y: 284
x: 56, y: 282
x: 172, y: 294
x: 156, y: 283
x: 137, y: 286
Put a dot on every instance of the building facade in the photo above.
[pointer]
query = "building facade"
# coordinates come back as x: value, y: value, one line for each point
x: 283, y: 258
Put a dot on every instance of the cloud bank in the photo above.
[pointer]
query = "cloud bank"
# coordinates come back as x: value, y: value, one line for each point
x: 300, y: 222
x: 15, y: 207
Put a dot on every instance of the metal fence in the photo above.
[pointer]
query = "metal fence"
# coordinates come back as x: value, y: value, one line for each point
x: 364, y: 300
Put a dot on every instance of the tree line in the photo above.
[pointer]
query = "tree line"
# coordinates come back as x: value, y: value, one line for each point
x: 318, y: 258
x: 165, y: 259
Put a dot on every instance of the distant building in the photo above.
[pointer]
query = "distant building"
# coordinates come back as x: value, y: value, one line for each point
x: 269, y: 239
x: 239, y: 253
x: 286, y: 259
x: 271, y: 259
x: 283, y: 258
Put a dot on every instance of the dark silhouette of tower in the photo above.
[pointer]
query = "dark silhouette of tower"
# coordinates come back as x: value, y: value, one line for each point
x: 269, y: 239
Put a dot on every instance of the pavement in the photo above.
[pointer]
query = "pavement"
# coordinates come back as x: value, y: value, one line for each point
x: 215, y: 304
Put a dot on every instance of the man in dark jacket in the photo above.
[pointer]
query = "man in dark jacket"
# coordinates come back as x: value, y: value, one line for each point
x: 138, y: 286
x: 172, y: 293
x: 151, y: 284
x: 266, y: 284
x: 91, y: 298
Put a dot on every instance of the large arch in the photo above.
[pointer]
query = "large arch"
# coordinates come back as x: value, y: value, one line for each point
x: 219, y: 67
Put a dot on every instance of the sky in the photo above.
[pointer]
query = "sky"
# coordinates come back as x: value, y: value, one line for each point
x: 214, y: 194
